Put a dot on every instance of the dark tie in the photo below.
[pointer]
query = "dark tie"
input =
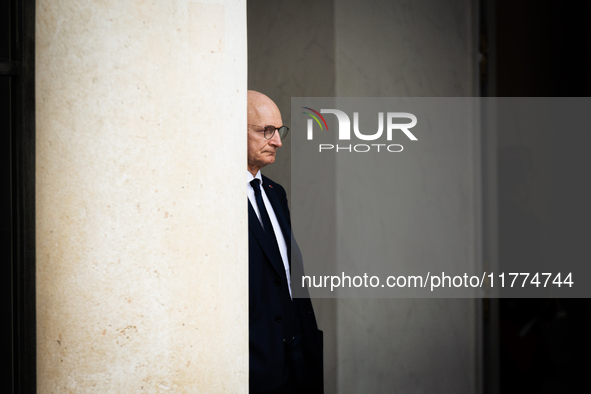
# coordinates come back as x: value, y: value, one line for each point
x: 267, y: 226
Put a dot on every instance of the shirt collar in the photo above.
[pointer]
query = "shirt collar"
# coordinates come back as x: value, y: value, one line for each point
x: 258, y: 176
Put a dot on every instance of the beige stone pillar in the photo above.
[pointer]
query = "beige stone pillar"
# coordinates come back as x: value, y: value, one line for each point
x: 142, y: 269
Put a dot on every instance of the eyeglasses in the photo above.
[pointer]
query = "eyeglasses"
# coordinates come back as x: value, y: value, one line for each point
x: 270, y: 131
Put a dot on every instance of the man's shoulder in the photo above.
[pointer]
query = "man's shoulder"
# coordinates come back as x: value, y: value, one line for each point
x: 273, y: 185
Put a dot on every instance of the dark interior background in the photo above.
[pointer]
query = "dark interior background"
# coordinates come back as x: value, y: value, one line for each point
x: 543, y: 49
x: 5, y: 210
x: 17, y: 198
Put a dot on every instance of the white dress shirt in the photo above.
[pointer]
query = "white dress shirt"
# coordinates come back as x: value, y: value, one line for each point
x: 276, y: 228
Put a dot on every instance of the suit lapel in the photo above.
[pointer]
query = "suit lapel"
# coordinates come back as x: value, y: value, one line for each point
x: 257, y: 230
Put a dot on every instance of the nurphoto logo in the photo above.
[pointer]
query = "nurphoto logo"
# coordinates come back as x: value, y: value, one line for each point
x: 344, y: 130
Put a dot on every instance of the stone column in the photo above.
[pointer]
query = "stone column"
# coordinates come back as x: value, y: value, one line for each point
x: 142, y: 270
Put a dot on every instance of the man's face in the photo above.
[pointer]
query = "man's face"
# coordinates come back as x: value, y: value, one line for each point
x: 261, y: 151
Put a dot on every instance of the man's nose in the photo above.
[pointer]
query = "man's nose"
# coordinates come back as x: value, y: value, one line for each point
x: 276, y: 139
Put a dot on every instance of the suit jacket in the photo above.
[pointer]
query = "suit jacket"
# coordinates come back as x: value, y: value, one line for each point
x: 266, y: 278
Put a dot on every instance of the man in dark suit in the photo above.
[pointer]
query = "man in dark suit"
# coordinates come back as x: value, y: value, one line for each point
x: 285, y: 346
